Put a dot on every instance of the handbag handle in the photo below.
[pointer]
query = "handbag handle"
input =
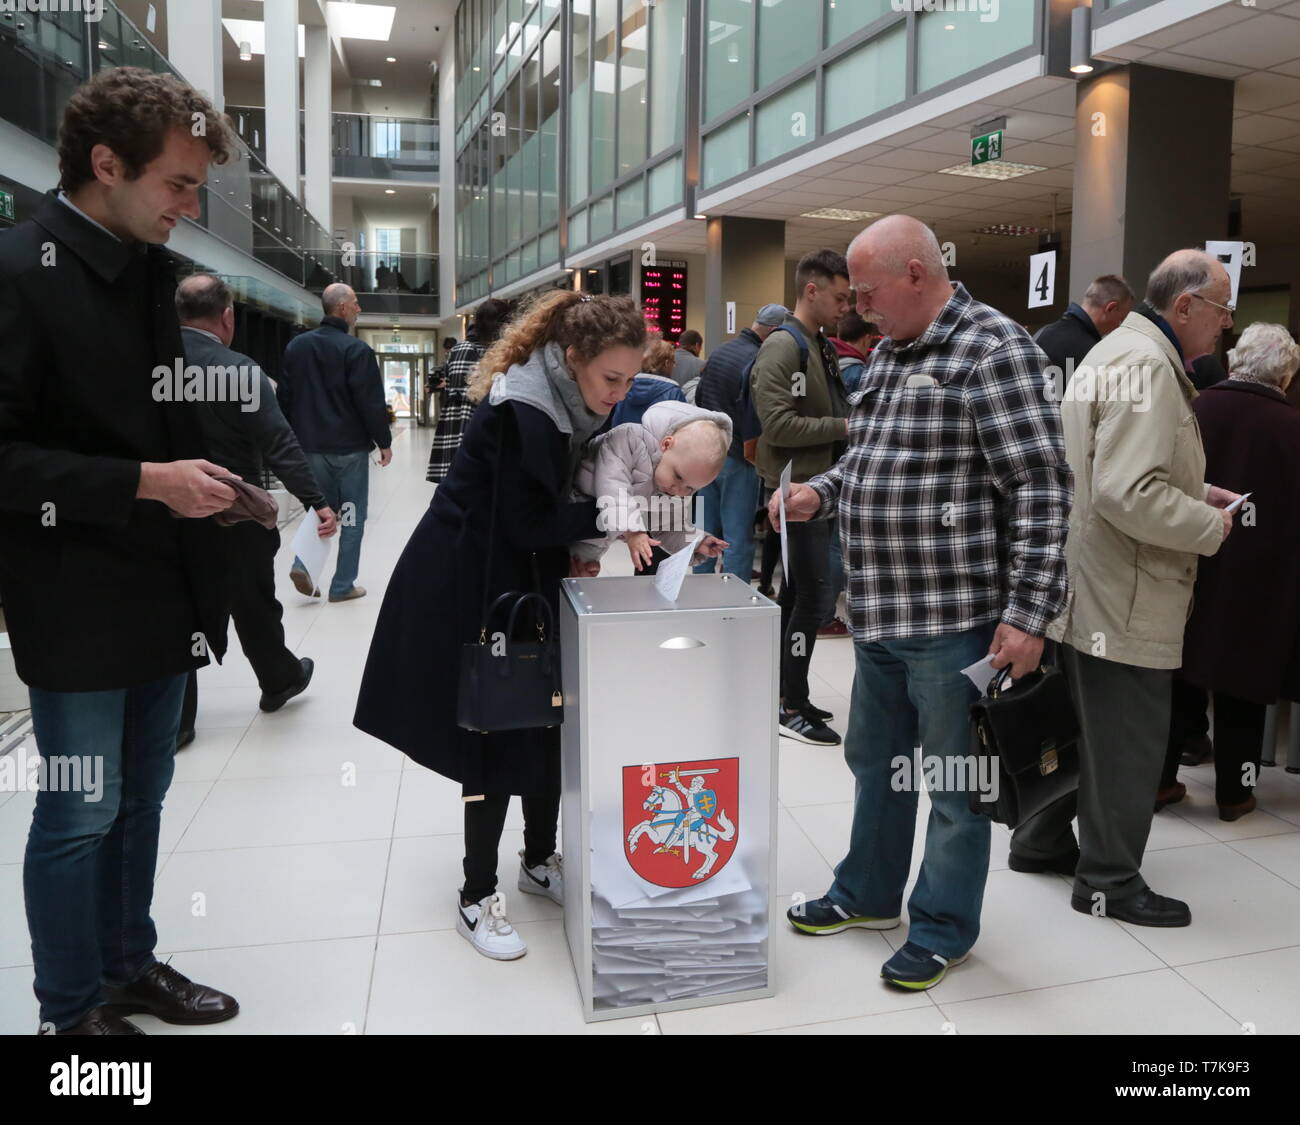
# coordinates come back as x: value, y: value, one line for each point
x: 996, y: 685
x: 546, y: 619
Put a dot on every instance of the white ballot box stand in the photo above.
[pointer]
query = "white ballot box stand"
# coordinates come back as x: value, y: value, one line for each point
x: 669, y: 791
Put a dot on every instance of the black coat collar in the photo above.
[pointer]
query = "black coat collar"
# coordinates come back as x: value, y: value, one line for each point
x: 1250, y: 388
x: 105, y: 255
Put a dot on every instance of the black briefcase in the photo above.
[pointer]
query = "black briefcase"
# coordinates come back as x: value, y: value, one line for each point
x: 1029, y: 731
x: 509, y: 684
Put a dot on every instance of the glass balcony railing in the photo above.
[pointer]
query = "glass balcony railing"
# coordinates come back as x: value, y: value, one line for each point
x: 44, y: 56
x: 364, y: 146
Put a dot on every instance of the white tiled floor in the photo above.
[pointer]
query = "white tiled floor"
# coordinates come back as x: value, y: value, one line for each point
x: 310, y: 870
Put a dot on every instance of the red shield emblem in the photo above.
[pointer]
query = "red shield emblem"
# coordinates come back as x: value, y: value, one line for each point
x: 681, y: 819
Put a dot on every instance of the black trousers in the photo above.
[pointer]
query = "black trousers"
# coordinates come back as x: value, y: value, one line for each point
x: 1238, y: 739
x: 770, y: 557
x: 484, y: 821
x: 256, y: 611
x: 807, y: 597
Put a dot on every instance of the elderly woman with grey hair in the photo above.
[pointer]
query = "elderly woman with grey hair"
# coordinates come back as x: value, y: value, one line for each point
x: 1242, y: 641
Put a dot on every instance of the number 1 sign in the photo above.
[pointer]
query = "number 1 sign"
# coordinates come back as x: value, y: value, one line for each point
x: 1042, y: 278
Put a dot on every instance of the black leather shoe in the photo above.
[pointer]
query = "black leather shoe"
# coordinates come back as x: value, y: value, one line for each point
x: 163, y: 992
x: 1057, y: 864
x: 273, y: 702
x: 1198, y: 751
x: 98, y: 1021
x: 1145, y: 909
x: 184, y: 739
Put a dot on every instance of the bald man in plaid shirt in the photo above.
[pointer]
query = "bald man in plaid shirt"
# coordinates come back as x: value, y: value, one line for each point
x: 953, y: 501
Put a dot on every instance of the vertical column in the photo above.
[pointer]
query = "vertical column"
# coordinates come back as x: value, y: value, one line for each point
x: 194, y: 45
x: 744, y: 262
x: 447, y: 193
x: 281, y: 90
x: 318, y: 196
x: 1151, y: 170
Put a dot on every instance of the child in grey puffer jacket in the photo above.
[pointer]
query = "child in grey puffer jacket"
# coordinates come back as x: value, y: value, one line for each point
x: 644, y: 475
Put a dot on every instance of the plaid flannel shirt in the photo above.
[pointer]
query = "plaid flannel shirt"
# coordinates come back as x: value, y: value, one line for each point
x: 954, y: 495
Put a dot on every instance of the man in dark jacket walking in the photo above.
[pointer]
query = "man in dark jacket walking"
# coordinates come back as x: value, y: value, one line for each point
x: 730, y: 502
x: 246, y: 431
x: 331, y: 392
x: 112, y: 576
x: 1106, y: 302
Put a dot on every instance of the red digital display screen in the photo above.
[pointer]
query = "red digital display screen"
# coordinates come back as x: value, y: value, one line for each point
x: 663, y: 299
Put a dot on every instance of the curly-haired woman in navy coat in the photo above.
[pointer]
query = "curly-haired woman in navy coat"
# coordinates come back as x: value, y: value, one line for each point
x: 544, y: 389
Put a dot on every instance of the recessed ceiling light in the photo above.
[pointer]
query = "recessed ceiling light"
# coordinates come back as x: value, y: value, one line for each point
x: 361, y: 21
x: 1081, y: 68
x: 840, y: 214
x: 390, y: 59
x: 701, y: 216
x: 993, y: 170
x: 950, y: 27
x: 390, y: 191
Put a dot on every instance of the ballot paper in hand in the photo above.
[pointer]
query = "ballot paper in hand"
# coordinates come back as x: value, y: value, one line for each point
x: 673, y: 569
x: 310, y: 549
x: 784, y: 493
x: 981, y: 672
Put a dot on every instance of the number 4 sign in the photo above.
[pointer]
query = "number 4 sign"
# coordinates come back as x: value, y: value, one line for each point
x: 1042, y: 278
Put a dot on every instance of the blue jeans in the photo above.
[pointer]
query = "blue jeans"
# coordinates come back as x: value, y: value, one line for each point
x: 730, y: 504
x: 905, y: 692
x: 836, y: 571
x: 344, y: 478
x: 89, y: 868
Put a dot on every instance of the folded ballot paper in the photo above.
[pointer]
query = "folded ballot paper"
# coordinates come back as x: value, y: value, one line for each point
x: 653, y: 944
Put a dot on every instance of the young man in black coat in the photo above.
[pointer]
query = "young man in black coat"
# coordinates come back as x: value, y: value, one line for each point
x: 111, y: 574
x: 1106, y: 302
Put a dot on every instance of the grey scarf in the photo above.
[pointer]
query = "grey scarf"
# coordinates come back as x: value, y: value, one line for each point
x: 544, y: 381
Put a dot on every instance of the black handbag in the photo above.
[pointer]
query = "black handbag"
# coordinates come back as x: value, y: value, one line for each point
x: 1025, y: 738
x: 507, y: 684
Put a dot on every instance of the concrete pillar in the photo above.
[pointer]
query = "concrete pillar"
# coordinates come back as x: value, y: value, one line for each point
x: 744, y: 262
x: 1151, y: 167
x: 446, y: 217
x: 194, y: 45
x: 281, y: 91
x: 318, y: 194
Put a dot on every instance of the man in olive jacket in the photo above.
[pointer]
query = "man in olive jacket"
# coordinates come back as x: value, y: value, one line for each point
x: 802, y: 408
x: 1142, y: 514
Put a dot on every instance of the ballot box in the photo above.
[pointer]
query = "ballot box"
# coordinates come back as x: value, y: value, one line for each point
x: 669, y: 816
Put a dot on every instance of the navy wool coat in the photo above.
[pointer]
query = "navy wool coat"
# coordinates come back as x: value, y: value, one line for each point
x: 1243, y: 635
x: 434, y: 599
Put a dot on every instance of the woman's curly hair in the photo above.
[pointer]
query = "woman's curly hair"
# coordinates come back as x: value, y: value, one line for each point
x: 132, y: 111
x: 659, y: 358
x: 589, y: 325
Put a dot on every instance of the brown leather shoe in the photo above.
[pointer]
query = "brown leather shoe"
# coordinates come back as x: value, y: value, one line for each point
x: 351, y: 595
x: 1171, y: 796
x: 1236, y: 812
x: 97, y: 1021
x: 163, y: 992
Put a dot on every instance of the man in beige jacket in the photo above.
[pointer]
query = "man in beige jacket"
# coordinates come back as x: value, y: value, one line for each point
x: 1142, y: 514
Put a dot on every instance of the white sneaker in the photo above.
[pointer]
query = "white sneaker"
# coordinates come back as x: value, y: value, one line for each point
x: 545, y: 879
x: 485, y: 926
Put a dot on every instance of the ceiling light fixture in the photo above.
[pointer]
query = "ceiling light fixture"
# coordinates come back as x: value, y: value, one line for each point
x: 245, y: 52
x: 1010, y: 230
x: 840, y: 214
x: 390, y: 59
x: 993, y: 170
x: 1081, y: 41
x: 390, y: 191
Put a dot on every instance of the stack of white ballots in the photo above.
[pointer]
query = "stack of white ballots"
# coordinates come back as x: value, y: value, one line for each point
x: 652, y: 944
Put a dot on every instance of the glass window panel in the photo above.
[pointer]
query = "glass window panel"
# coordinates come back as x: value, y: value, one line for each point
x: 844, y: 17
x: 867, y: 79
x: 633, y: 109
x: 950, y: 44
x: 665, y: 185
x: 548, y: 248
x: 602, y: 218
x: 604, y: 53
x: 787, y: 37
x: 630, y: 203
x: 528, y: 257
x: 726, y: 152
x: 578, y: 231
x: 667, y: 73
x: 549, y: 133
x: 728, y: 55
x: 786, y: 120
x: 580, y: 105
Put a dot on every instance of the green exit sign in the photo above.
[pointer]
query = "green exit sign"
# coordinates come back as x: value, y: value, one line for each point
x: 6, y: 206
x: 986, y: 148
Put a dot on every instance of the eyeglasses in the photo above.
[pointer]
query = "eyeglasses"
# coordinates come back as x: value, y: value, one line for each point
x: 1229, y: 309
